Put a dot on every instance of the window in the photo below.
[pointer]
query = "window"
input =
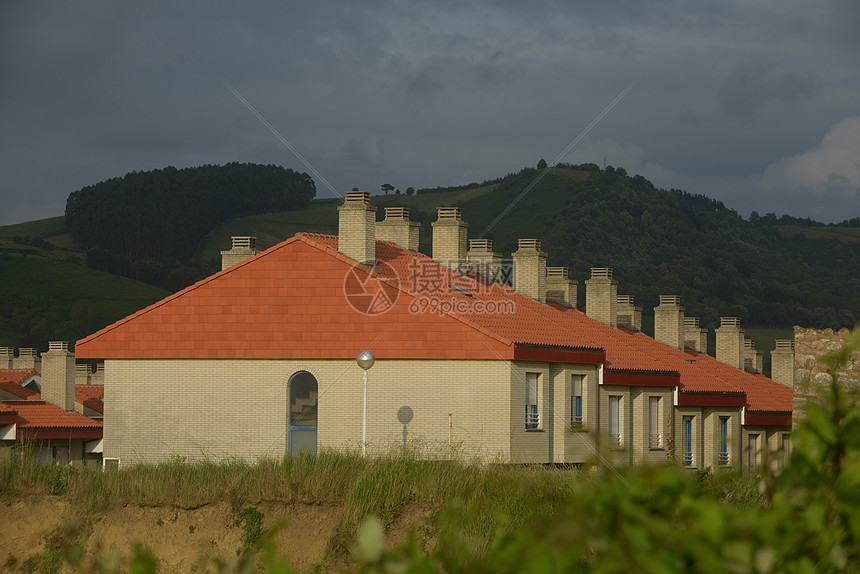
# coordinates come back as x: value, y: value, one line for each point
x: 752, y: 451
x: 576, y: 400
x: 785, y: 450
x: 654, y: 423
x: 532, y: 414
x: 614, y: 420
x: 723, y: 455
x: 688, y: 441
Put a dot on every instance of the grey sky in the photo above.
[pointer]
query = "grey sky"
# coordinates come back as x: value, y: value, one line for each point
x: 756, y: 103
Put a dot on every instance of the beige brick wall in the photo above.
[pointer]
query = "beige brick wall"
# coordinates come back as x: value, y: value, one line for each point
x: 711, y: 439
x: 695, y: 337
x: 530, y: 270
x: 730, y: 342
x: 58, y: 376
x: 782, y: 363
x: 669, y: 321
x: 697, y: 438
x: 28, y: 358
x: 573, y: 443
x: 601, y: 292
x: 357, y: 231
x: 450, y: 237
x: 402, y: 232
x: 640, y: 397
x: 157, y: 409
x: 770, y: 442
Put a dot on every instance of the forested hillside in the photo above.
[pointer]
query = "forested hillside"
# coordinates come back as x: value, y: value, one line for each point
x: 673, y: 242
x: 165, y: 213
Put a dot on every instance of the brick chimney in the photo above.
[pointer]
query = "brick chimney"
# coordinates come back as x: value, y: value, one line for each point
x: 629, y: 315
x: 483, y: 260
x: 601, y: 293
x: 7, y: 356
x: 397, y: 228
x: 530, y: 270
x: 58, y: 375
x: 82, y: 374
x: 357, y: 227
x: 753, y: 359
x: 669, y: 321
x: 28, y: 358
x: 730, y: 342
x: 243, y: 248
x: 695, y: 337
x: 782, y: 362
x: 559, y: 287
x: 449, y: 237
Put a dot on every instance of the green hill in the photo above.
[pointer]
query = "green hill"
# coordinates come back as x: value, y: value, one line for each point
x: 49, y: 293
x: 657, y: 241
x: 771, y: 273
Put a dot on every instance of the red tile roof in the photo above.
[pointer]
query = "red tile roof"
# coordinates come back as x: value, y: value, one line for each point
x: 40, y: 414
x: 12, y: 381
x: 299, y: 298
x: 91, y: 396
x: 41, y: 420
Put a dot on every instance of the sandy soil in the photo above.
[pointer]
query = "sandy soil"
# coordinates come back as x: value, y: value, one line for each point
x: 184, y: 540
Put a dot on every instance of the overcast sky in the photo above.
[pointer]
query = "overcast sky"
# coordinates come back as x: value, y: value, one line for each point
x: 756, y: 103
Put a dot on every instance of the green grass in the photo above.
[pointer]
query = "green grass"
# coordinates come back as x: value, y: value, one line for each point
x: 41, y: 228
x: 844, y: 234
x: 52, y: 295
x: 474, y: 507
x: 852, y: 231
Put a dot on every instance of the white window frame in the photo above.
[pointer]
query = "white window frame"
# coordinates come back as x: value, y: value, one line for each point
x: 785, y: 450
x: 688, y: 457
x: 614, y: 420
x: 532, y: 402
x: 655, y: 437
x: 577, y: 412
x: 753, y: 440
x: 723, y: 442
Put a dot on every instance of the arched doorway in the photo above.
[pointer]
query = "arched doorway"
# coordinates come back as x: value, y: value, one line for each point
x: 302, y: 414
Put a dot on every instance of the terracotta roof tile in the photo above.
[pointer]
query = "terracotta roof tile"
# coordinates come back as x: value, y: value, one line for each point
x: 12, y: 381
x: 42, y: 415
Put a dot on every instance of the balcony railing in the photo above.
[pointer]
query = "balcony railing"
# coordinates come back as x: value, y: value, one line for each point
x: 654, y: 440
x: 723, y: 457
x: 532, y: 420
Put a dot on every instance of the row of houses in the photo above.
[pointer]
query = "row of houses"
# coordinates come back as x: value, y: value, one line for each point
x: 259, y: 360
x: 50, y: 408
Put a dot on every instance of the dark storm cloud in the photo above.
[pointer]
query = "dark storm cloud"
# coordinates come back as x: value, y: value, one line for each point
x: 751, y: 87
x: 735, y: 99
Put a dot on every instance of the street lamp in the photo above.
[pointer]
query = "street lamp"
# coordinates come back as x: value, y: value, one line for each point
x: 365, y: 360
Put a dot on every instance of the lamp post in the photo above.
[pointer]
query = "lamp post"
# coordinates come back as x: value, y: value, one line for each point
x: 365, y: 360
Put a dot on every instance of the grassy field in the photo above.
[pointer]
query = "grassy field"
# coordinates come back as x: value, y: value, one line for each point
x: 467, y: 509
x: 845, y: 234
x: 54, y: 295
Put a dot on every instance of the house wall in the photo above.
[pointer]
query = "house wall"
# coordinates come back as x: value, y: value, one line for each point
x: 640, y: 397
x: 159, y: 409
x: 706, y: 436
x: 711, y: 438
x: 770, y: 448
x: 572, y: 443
